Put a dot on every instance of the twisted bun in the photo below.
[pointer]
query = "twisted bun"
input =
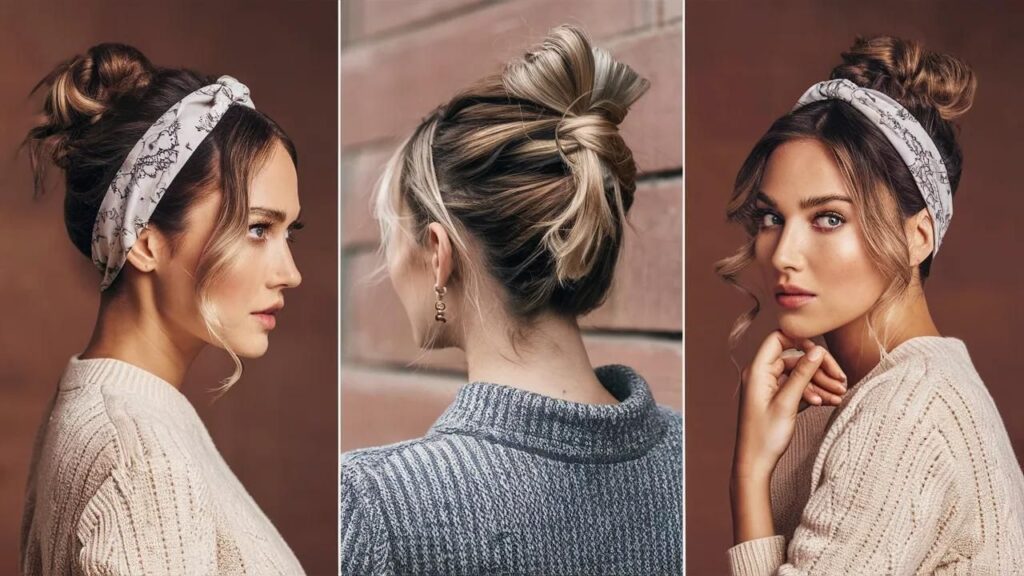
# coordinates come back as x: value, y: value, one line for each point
x: 529, y: 165
x: 590, y: 94
x: 919, y: 79
x: 83, y: 90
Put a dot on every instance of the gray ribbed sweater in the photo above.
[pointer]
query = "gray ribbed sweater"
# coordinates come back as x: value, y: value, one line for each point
x: 511, y: 482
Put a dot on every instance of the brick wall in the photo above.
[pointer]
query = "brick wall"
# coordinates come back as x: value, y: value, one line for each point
x: 399, y: 60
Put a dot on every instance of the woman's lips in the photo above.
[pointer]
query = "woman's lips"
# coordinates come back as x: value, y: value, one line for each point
x: 267, y: 319
x: 793, y: 300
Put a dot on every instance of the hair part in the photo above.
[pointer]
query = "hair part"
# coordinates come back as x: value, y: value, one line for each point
x: 98, y: 105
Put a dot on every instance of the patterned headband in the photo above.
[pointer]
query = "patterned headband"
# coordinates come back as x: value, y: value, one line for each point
x: 906, y: 135
x: 150, y: 168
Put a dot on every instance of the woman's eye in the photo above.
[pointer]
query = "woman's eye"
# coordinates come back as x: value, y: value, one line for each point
x: 829, y: 221
x: 258, y: 231
x: 768, y: 220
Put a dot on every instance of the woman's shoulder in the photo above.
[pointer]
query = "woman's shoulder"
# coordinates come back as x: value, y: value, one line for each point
x: 118, y: 415
x: 926, y: 388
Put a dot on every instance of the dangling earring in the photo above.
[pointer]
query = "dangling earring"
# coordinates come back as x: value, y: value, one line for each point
x: 439, y: 306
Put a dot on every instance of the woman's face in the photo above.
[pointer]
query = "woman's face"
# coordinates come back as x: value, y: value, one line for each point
x: 809, y: 246
x: 247, y: 295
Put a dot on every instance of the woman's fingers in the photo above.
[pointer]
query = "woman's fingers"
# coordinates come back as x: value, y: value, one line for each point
x: 829, y: 365
x: 821, y: 379
x: 798, y: 379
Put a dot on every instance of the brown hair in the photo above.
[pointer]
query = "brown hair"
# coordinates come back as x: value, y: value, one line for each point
x: 529, y: 167
x: 935, y: 88
x: 97, y: 107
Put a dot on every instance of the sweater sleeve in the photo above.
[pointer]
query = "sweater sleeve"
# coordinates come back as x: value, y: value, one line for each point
x: 884, y: 500
x: 363, y: 546
x: 150, y: 516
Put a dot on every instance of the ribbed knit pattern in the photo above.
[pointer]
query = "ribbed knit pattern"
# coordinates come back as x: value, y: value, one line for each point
x: 912, y: 474
x: 126, y: 480
x: 512, y: 482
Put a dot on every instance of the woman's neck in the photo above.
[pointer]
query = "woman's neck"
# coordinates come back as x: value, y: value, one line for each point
x: 132, y: 330
x: 856, y: 349
x: 551, y: 360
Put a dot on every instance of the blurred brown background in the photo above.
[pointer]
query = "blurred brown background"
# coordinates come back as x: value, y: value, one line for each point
x: 277, y: 427
x: 748, y: 63
x: 399, y: 60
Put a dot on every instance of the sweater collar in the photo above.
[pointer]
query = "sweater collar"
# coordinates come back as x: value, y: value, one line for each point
x: 556, y: 428
x: 919, y: 346
x: 128, y: 377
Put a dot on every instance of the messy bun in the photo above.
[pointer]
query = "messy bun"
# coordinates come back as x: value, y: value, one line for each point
x: 922, y: 81
x: 98, y: 105
x: 528, y: 167
x: 935, y: 88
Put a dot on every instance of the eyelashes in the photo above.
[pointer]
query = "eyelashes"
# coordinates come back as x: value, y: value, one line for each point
x: 259, y: 231
x: 826, y: 221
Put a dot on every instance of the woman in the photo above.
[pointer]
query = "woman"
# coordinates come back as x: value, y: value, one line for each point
x: 185, y: 197
x: 502, y: 217
x: 910, y: 470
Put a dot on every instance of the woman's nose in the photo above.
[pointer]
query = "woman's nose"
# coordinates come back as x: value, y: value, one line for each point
x: 788, y: 252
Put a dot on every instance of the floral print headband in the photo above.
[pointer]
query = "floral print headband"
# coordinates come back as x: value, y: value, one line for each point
x: 906, y: 135
x: 150, y: 168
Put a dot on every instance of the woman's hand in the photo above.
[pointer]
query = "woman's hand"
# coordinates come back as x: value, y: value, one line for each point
x: 773, y: 385
x: 772, y: 388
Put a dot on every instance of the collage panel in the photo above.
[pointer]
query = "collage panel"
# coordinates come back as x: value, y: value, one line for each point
x: 826, y: 153
x: 131, y: 443
x: 523, y: 469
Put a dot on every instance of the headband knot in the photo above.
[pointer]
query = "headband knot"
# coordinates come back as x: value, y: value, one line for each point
x: 151, y: 166
x: 907, y: 136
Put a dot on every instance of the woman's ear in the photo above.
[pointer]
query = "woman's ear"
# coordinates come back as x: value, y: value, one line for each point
x: 441, y: 253
x: 147, y: 251
x: 920, y: 237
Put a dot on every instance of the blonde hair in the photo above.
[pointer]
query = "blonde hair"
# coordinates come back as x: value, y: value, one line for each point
x: 528, y: 175
x: 98, y: 105
x: 935, y: 88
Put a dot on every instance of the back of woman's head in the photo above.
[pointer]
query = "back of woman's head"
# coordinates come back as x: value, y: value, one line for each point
x: 528, y: 174
x: 934, y: 88
x: 98, y: 105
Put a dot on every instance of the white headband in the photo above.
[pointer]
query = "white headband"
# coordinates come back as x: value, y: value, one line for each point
x: 151, y: 166
x: 906, y: 135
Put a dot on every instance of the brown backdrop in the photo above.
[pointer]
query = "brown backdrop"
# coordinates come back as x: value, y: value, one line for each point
x: 747, y: 64
x: 399, y: 60
x: 278, y: 427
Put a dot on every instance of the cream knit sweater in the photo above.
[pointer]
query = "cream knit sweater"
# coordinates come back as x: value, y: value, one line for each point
x: 912, y: 474
x: 126, y: 480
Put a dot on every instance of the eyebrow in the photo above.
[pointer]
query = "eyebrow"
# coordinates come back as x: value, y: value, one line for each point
x: 275, y: 215
x: 806, y: 203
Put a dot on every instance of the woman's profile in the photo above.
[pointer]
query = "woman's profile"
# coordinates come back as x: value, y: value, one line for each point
x: 185, y: 198
x: 502, y: 218
x: 881, y: 452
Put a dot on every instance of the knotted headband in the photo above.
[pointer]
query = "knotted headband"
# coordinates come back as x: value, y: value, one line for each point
x: 906, y: 135
x: 150, y: 168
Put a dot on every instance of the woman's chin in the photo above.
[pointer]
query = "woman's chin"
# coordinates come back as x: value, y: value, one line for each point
x: 798, y: 328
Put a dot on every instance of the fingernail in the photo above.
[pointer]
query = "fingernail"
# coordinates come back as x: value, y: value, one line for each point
x: 816, y: 354
x: 816, y: 400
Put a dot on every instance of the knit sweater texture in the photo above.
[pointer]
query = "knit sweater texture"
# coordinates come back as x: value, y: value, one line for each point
x: 912, y: 474
x: 125, y: 480
x: 512, y: 482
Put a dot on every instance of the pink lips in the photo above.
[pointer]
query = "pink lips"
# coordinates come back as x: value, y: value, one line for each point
x: 267, y: 320
x: 268, y: 317
x: 792, y: 297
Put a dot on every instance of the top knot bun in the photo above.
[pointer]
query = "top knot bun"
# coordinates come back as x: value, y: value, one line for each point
x: 587, y: 94
x: 915, y: 77
x: 83, y: 89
